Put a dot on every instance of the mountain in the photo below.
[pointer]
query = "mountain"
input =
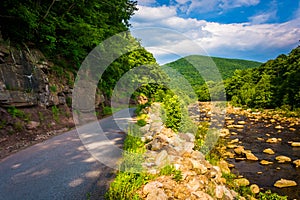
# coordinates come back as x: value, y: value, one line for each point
x: 225, y: 66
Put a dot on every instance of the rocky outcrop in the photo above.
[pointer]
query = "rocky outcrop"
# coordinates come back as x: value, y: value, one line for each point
x: 27, y: 79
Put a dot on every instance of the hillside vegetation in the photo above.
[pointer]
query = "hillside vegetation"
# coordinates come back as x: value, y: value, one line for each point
x: 226, y: 67
x: 275, y: 83
x: 205, y: 64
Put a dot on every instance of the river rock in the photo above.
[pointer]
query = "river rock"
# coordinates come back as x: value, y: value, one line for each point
x: 284, y: 183
x: 254, y: 189
x: 238, y: 126
x: 250, y: 156
x: 224, y: 132
x: 239, y: 150
x: 269, y: 151
x: 224, y: 166
x: 295, y: 144
x: 265, y: 162
x: 241, y: 182
x: 283, y: 159
x: 273, y: 140
x: 241, y: 122
x: 231, y: 146
x: 297, y: 163
x: 228, y: 154
x: 234, y: 141
x: 279, y: 127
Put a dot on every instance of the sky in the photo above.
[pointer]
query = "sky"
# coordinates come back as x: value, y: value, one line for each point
x: 257, y: 30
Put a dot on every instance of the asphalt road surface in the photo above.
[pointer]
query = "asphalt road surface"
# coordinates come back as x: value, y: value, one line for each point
x: 61, y: 167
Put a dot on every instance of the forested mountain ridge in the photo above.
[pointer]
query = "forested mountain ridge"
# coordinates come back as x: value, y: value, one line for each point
x: 226, y: 67
x: 274, y: 84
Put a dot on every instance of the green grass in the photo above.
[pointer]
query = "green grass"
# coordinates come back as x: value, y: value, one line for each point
x: 55, y: 113
x: 268, y: 195
x: 131, y: 175
x: 169, y: 170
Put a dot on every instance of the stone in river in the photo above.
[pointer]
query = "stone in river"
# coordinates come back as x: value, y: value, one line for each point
x: 295, y: 144
x: 265, y: 162
x: 279, y: 127
x: 260, y: 139
x: 254, y: 189
x: 241, y: 182
x: 231, y: 146
x: 239, y: 150
x: 234, y: 141
x: 283, y: 159
x: 269, y: 151
x: 241, y: 122
x: 285, y: 183
x: 250, y: 156
x: 273, y: 140
x: 297, y: 162
x: 238, y: 126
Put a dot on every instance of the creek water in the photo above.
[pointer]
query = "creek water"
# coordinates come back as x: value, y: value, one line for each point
x: 266, y: 175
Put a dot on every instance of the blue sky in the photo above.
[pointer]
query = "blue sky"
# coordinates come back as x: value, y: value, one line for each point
x: 247, y: 29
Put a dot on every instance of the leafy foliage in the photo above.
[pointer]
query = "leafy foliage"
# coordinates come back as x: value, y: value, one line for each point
x: 274, y: 84
x: 225, y: 66
x: 66, y: 29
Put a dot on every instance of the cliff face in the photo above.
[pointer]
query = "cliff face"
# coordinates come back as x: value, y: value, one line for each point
x: 34, y: 101
x: 24, y: 79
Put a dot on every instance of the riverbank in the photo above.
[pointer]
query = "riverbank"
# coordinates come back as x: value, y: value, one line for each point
x: 161, y: 164
x: 262, y: 146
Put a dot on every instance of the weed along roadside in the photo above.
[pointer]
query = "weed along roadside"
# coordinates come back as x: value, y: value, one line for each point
x: 159, y: 163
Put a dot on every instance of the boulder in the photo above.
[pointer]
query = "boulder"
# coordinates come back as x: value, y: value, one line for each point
x: 250, y: 156
x: 285, y: 183
x: 241, y: 182
x: 283, y: 159
x: 269, y: 151
x: 296, y: 163
x: 162, y: 159
x: 202, y: 195
x: 149, y: 187
x: 254, y: 189
x: 239, y: 150
x: 273, y: 140
x: 295, y: 144
x: 265, y: 162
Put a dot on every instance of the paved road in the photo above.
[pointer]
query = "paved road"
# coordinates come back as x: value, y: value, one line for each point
x: 60, y: 168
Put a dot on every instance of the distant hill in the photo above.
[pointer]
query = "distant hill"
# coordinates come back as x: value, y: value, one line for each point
x: 226, y: 67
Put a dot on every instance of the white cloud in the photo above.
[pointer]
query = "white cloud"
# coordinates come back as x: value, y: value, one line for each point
x: 263, y: 18
x: 154, y: 13
x: 226, y: 40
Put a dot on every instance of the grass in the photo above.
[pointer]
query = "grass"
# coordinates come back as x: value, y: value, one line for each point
x: 55, y: 113
x: 169, y: 170
x: 130, y: 176
x: 16, y: 113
